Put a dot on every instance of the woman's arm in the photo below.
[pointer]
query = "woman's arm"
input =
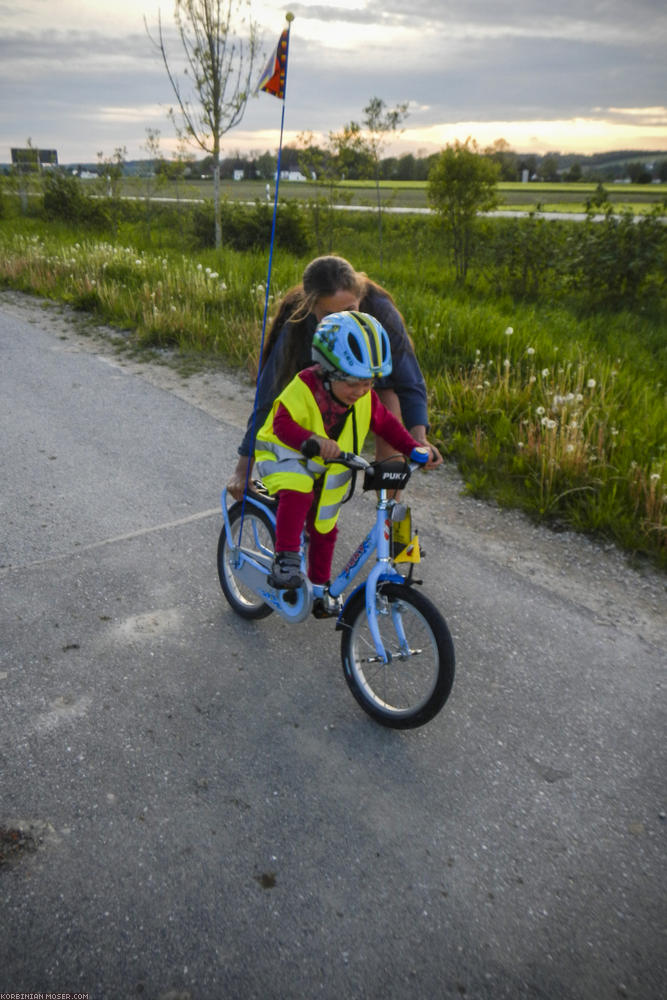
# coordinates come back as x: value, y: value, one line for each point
x: 406, y: 378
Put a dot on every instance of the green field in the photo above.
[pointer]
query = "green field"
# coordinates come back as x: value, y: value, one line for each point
x: 561, y: 197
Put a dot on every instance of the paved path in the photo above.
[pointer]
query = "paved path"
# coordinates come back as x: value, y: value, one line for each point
x: 214, y: 817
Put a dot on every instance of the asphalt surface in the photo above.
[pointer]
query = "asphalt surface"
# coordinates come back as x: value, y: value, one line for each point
x: 195, y: 807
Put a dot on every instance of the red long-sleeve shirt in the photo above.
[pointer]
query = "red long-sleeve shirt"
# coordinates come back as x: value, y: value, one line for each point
x: 383, y: 422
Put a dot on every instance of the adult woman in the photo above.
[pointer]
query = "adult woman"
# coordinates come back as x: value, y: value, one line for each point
x: 330, y: 284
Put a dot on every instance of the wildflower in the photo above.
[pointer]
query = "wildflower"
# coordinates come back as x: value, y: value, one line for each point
x: 509, y: 331
x: 540, y: 411
x: 530, y: 350
x: 655, y: 476
x: 591, y: 383
x: 545, y: 373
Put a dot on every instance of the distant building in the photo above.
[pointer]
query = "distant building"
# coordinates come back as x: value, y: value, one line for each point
x: 291, y: 174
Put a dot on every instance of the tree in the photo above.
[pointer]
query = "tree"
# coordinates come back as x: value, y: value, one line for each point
x: 575, y: 173
x: 549, y: 168
x: 505, y: 157
x: 460, y: 184
x: 111, y: 170
x: 379, y: 123
x: 350, y: 152
x: 265, y: 166
x: 639, y: 173
x: 321, y: 168
x: 218, y: 71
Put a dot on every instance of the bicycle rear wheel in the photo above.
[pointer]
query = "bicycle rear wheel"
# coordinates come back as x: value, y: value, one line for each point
x: 414, y: 685
x: 258, y: 540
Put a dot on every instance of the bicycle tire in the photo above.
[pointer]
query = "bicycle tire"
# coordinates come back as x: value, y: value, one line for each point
x: 409, y: 690
x: 258, y: 538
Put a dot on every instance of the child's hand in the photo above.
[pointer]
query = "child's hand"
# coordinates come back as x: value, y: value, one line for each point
x: 328, y: 449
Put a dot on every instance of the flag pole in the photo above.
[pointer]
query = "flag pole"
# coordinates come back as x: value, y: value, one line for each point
x: 289, y: 17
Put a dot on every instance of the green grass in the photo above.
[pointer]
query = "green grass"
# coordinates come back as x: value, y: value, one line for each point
x: 544, y: 406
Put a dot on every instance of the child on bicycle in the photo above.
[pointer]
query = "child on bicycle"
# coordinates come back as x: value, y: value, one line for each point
x: 333, y: 404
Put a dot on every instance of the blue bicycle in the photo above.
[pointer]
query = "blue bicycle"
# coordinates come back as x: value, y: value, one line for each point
x: 396, y: 648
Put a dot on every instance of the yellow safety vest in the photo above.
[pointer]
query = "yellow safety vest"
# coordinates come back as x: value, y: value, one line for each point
x: 283, y: 468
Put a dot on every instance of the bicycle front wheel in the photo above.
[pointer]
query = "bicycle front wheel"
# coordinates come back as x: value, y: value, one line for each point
x: 414, y: 685
x: 257, y: 540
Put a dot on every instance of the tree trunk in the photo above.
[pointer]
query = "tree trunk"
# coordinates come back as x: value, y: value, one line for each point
x: 216, y: 201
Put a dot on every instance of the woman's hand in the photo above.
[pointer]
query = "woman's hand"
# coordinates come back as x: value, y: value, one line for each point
x: 419, y: 434
x: 236, y: 484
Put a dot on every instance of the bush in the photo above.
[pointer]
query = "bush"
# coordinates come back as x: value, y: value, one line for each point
x: 66, y: 201
x: 247, y: 227
x: 615, y: 261
x: 63, y: 197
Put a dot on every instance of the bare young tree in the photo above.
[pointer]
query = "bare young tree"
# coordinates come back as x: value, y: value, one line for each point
x: 220, y: 44
x: 380, y: 122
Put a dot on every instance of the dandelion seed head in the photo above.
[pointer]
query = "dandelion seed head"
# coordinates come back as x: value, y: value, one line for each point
x: 545, y: 373
x: 540, y: 411
x: 509, y: 331
x: 591, y: 383
x: 530, y: 350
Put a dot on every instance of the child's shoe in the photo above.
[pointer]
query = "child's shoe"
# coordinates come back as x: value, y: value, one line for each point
x: 286, y: 571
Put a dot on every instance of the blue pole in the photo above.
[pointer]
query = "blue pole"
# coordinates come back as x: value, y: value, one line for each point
x: 268, y: 282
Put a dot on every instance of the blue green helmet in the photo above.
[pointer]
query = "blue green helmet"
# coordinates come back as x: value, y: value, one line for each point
x: 352, y: 345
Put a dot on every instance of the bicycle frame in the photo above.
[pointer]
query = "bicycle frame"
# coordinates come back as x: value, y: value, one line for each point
x: 296, y: 605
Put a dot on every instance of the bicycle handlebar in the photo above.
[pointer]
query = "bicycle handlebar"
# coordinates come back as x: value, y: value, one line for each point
x: 311, y: 448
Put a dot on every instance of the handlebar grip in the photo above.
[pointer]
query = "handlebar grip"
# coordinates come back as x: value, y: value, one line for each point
x: 310, y: 448
x: 420, y: 455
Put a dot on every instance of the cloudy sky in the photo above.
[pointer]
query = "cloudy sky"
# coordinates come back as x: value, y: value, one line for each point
x: 82, y: 77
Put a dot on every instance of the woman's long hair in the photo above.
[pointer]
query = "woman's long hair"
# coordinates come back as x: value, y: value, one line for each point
x: 322, y: 278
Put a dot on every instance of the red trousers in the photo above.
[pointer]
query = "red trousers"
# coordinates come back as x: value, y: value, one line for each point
x: 294, y: 511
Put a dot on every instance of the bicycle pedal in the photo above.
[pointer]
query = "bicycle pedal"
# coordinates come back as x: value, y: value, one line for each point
x: 327, y: 607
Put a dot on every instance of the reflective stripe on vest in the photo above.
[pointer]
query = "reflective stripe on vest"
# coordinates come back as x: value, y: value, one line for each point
x: 284, y: 468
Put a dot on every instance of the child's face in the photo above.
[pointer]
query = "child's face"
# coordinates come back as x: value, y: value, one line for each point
x: 348, y: 391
